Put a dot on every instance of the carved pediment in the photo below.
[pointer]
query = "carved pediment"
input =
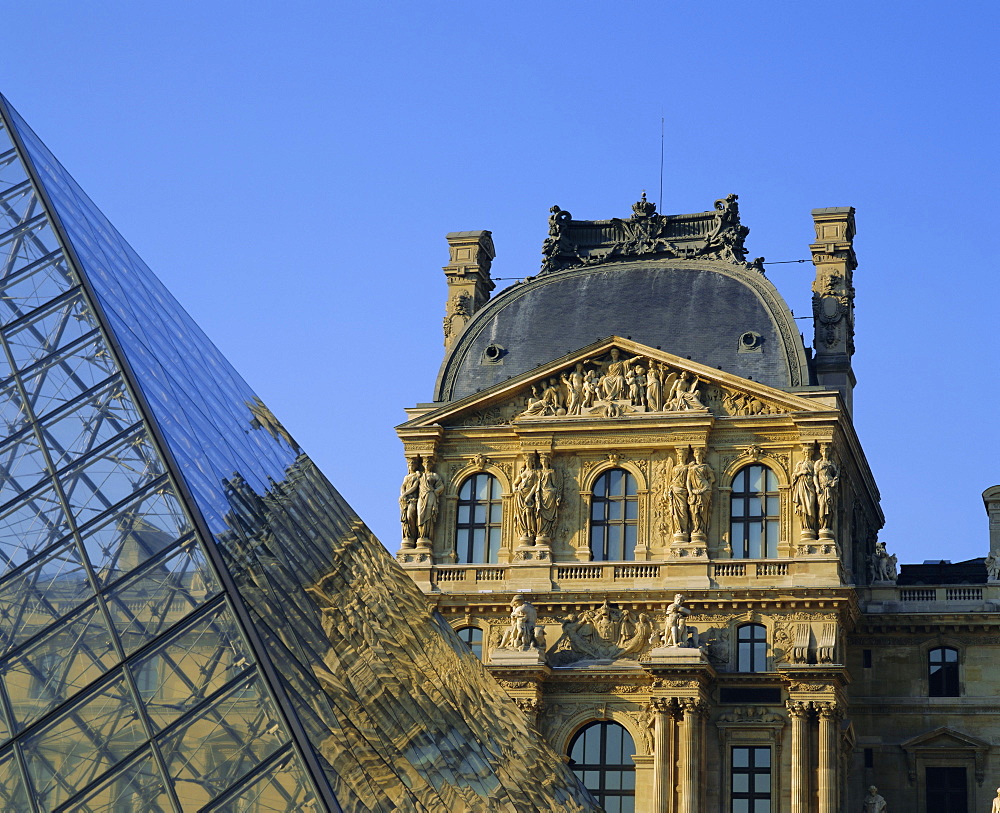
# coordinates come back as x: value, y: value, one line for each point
x: 615, y: 378
x: 945, y: 739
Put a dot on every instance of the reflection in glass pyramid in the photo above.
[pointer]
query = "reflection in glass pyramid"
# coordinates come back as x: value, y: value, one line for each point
x: 191, y: 617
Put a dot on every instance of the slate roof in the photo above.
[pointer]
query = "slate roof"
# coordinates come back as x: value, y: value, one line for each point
x: 696, y: 309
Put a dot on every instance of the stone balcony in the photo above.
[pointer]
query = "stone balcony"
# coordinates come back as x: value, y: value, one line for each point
x: 932, y: 598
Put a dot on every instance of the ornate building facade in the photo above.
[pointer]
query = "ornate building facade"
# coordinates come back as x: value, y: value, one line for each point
x: 641, y: 500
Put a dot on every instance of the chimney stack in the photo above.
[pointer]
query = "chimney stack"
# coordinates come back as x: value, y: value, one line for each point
x: 468, y: 275
x: 833, y: 300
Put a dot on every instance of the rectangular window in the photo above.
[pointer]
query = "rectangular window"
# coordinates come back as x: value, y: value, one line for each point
x: 750, y: 780
x: 946, y: 791
x: 866, y: 657
x: 869, y: 758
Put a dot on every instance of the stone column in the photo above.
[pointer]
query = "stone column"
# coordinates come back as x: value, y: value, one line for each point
x: 690, y: 755
x: 661, y: 754
x: 799, y: 712
x: 829, y: 717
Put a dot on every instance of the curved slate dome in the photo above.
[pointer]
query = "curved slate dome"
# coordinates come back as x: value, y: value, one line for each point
x: 696, y: 309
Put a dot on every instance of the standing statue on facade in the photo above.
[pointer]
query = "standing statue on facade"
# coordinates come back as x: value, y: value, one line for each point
x: 874, y: 803
x: 996, y: 803
x: 654, y: 387
x: 521, y: 633
x: 525, y: 497
x: 883, y: 564
x: 428, y: 502
x: 827, y: 480
x: 700, y: 480
x: 675, y: 628
x: 680, y: 515
x: 804, y: 493
x: 547, y: 498
x: 992, y: 567
x: 574, y: 388
x: 409, y: 493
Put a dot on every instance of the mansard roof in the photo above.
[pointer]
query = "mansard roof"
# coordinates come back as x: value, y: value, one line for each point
x: 679, y: 283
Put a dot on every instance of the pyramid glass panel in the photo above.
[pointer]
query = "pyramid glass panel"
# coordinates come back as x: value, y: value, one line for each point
x: 241, y: 641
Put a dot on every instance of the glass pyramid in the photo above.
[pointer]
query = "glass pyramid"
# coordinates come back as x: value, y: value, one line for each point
x: 191, y: 617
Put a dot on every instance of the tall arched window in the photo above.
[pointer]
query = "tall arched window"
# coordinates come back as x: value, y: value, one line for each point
x: 754, y: 512
x: 477, y: 531
x: 601, y: 756
x: 473, y: 636
x: 942, y: 672
x: 613, y: 516
x: 751, y: 648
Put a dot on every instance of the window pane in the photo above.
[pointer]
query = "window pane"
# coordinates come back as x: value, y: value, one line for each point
x: 753, y: 543
x: 738, y: 544
x: 756, y: 478
x: 632, y: 509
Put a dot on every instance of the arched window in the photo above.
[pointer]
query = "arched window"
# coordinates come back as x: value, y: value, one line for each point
x: 942, y: 672
x: 601, y: 756
x: 754, y: 513
x: 473, y: 636
x: 477, y: 531
x: 751, y: 648
x: 613, y: 516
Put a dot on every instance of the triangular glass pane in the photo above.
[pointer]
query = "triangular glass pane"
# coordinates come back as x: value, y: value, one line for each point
x: 139, y: 787
x: 47, y: 331
x: 39, y: 284
x: 22, y: 246
x: 86, y: 741
x: 137, y: 532
x: 59, y: 665
x: 110, y: 476
x: 165, y: 593
x: 280, y: 788
x: 92, y: 422
x: 13, y: 412
x: 13, y: 796
x: 222, y: 743
x: 22, y: 466
x: 41, y: 594
x: 17, y: 205
x: 29, y: 526
x: 67, y: 374
x: 189, y: 667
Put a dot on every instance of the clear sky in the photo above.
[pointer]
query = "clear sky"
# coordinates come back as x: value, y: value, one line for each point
x: 290, y: 170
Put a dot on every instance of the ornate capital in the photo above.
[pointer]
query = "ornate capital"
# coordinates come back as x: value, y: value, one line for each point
x: 798, y: 708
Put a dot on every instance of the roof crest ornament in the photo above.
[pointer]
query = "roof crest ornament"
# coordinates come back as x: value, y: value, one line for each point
x: 713, y: 235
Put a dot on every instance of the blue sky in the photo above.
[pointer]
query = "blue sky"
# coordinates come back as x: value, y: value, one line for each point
x: 290, y: 171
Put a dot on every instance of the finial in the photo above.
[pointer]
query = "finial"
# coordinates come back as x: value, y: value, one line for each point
x: 643, y: 208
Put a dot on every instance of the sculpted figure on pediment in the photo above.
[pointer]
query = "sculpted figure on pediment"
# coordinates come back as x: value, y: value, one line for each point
x: 574, y: 385
x: 804, y: 493
x: 521, y: 634
x: 615, y: 371
x: 654, y: 387
x: 603, y: 633
x: 675, y: 627
x: 684, y: 394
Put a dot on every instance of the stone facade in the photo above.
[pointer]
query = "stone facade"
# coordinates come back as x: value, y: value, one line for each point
x: 697, y: 550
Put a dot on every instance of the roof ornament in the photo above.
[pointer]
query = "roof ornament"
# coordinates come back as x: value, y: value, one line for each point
x: 713, y: 235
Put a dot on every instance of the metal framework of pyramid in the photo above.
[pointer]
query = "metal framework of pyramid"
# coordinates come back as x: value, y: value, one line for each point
x: 191, y: 617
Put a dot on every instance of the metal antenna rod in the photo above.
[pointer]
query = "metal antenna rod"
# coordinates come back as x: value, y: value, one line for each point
x: 660, y: 201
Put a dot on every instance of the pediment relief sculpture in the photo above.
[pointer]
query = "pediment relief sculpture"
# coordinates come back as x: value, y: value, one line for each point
x: 606, y: 633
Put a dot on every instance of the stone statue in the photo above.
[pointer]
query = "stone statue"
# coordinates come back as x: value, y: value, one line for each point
x: 827, y: 480
x: 675, y: 628
x: 804, y: 492
x: 637, y: 386
x: 874, y: 803
x: 547, y: 499
x: 408, y: 495
x: 616, y: 370
x: 428, y: 502
x: 700, y: 480
x: 993, y: 567
x: 591, y: 388
x: 678, y: 495
x: 536, y: 403
x: 654, y: 388
x: 996, y: 803
x: 883, y: 564
x: 574, y: 387
x: 525, y: 498
x: 521, y: 633
x: 684, y: 393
